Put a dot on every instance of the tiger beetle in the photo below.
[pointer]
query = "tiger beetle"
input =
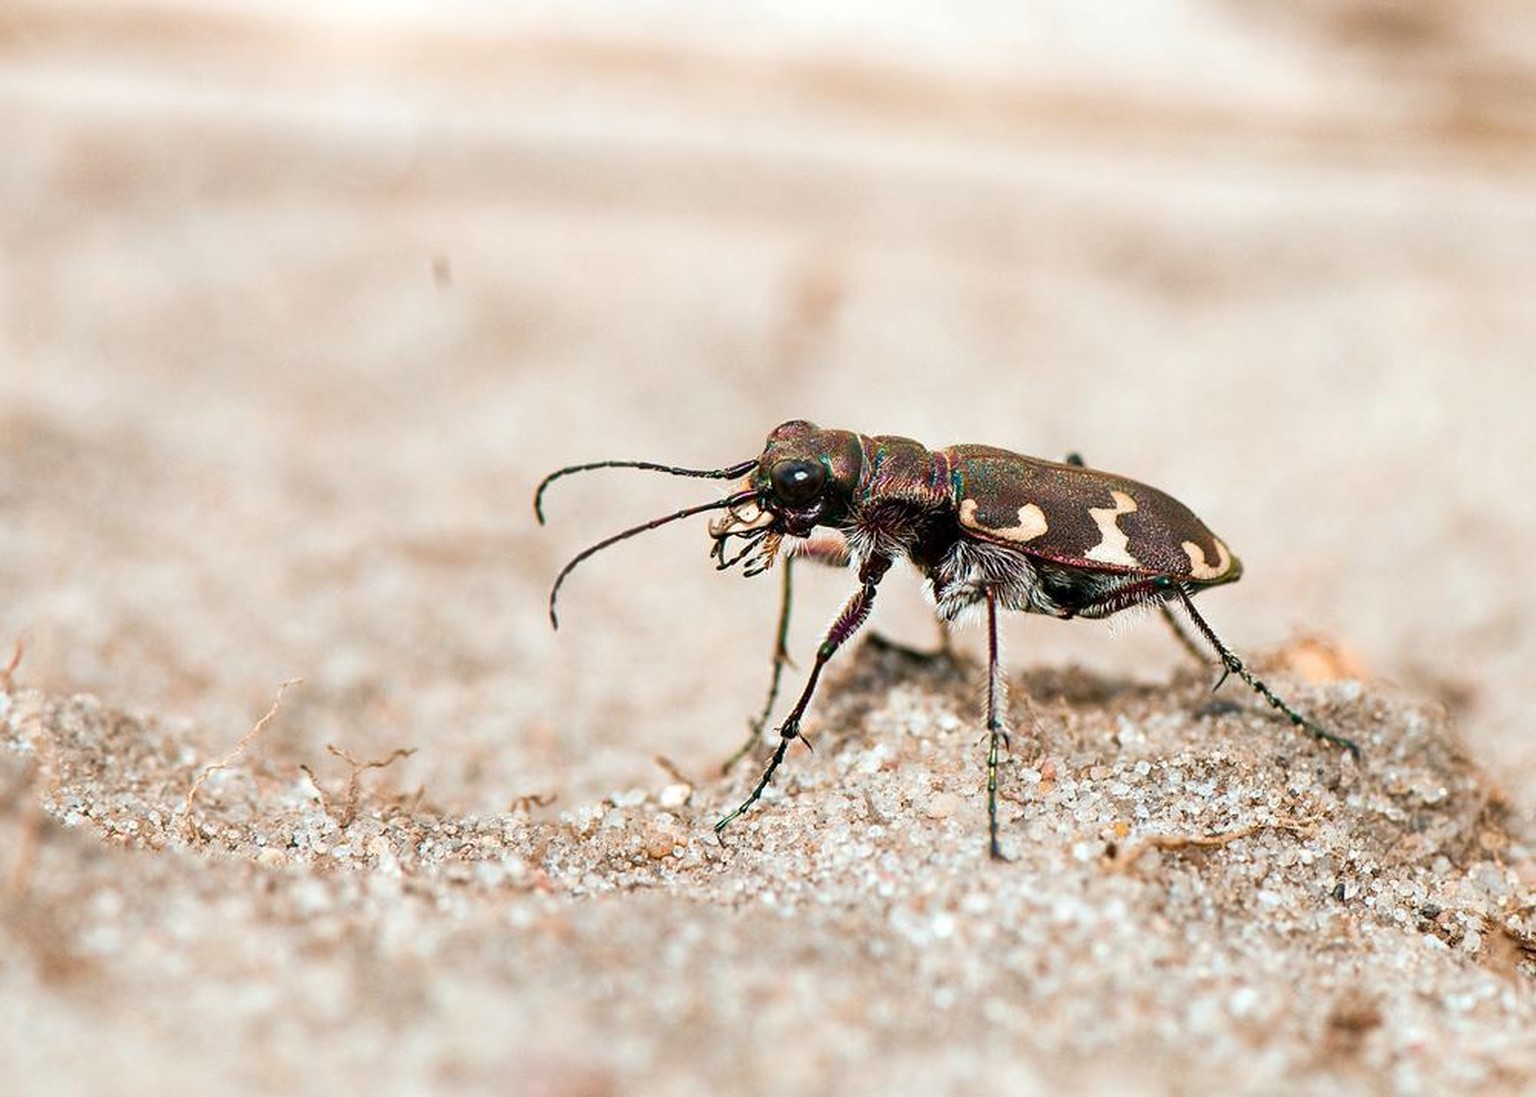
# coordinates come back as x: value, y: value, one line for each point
x: 986, y: 528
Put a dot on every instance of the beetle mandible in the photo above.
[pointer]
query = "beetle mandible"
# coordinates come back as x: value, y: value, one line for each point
x: 986, y: 528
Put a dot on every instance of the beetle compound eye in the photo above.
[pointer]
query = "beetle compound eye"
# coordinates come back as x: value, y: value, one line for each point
x: 796, y: 483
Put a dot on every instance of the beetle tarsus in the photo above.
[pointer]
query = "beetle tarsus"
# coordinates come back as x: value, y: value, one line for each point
x: 762, y: 784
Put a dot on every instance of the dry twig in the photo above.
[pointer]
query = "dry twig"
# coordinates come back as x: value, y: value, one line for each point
x: 1124, y: 859
x: 355, y: 781
x: 8, y: 674
x: 354, y: 793
x: 669, y: 767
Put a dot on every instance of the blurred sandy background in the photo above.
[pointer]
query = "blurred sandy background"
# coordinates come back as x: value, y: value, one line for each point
x: 298, y: 302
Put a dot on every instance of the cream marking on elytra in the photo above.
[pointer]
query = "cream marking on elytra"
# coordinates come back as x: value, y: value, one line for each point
x: 1115, y: 547
x: 1031, y: 522
x: 1199, y: 569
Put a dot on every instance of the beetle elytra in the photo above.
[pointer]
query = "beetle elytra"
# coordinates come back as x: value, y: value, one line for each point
x: 988, y: 529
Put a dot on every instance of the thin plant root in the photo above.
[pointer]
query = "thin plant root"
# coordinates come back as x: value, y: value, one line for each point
x: 354, y: 794
x: 232, y: 757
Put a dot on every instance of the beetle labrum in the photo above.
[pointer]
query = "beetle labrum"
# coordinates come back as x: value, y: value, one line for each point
x: 986, y: 528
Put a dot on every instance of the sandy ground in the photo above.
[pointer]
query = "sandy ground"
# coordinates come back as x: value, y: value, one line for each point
x: 294, y: 313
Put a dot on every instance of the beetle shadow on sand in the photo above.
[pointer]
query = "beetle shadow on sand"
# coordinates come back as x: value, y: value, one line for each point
x: 878, y: 664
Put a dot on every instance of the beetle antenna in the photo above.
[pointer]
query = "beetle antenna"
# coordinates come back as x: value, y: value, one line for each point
x: 709, y: 474
x: 688, y: 512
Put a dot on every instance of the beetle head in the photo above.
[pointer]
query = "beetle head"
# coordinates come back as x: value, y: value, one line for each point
x: 806, y: 476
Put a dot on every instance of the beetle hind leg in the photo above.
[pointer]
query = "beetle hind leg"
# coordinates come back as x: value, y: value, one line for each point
x: 1231, y: 664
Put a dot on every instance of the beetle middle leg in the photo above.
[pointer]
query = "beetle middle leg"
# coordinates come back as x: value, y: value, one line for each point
x: 848, y: 622
x: 996, y: 731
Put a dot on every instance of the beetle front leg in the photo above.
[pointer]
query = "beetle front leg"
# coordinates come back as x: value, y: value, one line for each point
x: 854, y: 614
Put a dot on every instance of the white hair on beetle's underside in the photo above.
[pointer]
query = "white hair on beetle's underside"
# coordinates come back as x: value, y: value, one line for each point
x: 1130, y: 617
x: 792, y: 545
x: 972, y: 613
x: 829, y: 548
